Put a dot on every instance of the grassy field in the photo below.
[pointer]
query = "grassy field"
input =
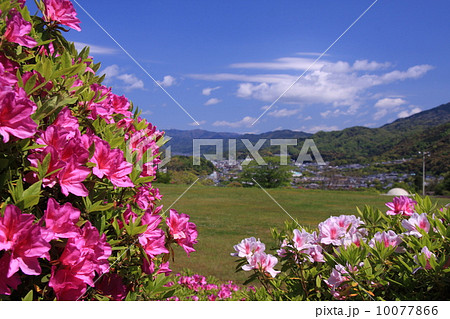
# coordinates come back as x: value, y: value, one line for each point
x: 224, y: 216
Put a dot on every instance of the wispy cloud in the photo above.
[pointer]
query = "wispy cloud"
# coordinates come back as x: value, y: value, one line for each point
x: 318, y: 128
x: 283, y: 112
x: 207, y: 91
x: 342, y: 84
x: 412, y: 111
x: 127, y: 81
x: 386, y: 106
x: 245, y: 122
x: 167, y: 81
x: 212, y: 101
x: 96, y: 49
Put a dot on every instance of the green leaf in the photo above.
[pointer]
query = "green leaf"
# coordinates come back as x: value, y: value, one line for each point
x: 29, y: 296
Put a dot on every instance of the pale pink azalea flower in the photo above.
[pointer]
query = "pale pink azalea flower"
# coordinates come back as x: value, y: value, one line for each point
x: 341, y: 230
x: 23, y: 241
x: 61, y: 11
x: 17, y: 30
x: 183, y: 232
x: 262, y: 262
x: 416, y: 222
x: 306, y: 243
x: 61, y: 220
x: 248, y: 247
x: 402, y: 205
x: 339, y: 275
x: 428, y: 255
x: 15, y: 115
x: 389, y: 238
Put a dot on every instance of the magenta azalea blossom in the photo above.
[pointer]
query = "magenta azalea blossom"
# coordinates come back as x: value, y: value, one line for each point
x: 262, y: 262
x: 84, y: 256
x: 71, y: 178
x: 6, y: 283
x: 23, y: 240
x: 184, y: 232
x: 15, y: 116
x: 112, y: 285
x: 402, y: 205
x: 248, y: 247
x: 65, y: 283
x: 416, y: 222
x: 62, y: 11
x: 61, y: 220
x: 17, y: 30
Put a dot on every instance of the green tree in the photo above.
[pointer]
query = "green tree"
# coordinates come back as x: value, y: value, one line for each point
x: 270, y: 175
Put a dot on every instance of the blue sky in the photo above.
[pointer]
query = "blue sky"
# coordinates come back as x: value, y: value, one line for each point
x: 226, y: 62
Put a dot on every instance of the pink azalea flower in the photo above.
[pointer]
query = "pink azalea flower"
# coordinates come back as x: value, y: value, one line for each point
x: 248, y: 247
x: 112, y: 285
x: 6, y: 283
x: 342, y: 230
x: 262, y: 262
x: 39, y: 80
x: 66, y: 285
x: 17, y: 30
x: 153, y: 239
x: 389, y: 238
x: 15, y: 116
x: 338, y: 276
x: 61, y: 220
x: 416, y: 222
x: 66, y: 120
x: 23, y: 240
x: 84, y: 256
x: 71, y: 177
x: 402, y: 205
x: 306, y: 243
x: 428, y: 255
x: 61, y: 11
x: 184, y: 232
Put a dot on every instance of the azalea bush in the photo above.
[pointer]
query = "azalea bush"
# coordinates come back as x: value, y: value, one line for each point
x: 399, y: 254
x: 79, y: 216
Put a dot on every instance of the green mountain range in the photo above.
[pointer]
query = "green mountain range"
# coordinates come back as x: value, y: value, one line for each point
x: 427, y: 131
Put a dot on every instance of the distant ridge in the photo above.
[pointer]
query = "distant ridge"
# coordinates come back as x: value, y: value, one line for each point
x: 425, y: 131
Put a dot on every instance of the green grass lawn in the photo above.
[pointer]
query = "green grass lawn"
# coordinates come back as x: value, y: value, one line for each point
x: 224, y: 216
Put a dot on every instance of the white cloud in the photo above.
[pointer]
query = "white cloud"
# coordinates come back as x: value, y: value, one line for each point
x: 132, y: 81
x: 407, y: 113
x: 95, y: 49
x: 207, y: 91
x: 386, y: 106
x: 111, y: 71
x: 197, y: 123
x: 307, y: 118
x: 337, y: 84
x: 323, y: 127
x: 129, y: 81
x: 212, y: 101
x: 246, y: 121
x: 283, y: 112
x: 389, y: 102
x: 167, y: 81
x: 365, y: 65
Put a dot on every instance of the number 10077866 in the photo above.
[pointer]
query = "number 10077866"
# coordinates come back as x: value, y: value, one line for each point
x: 407, y: 310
